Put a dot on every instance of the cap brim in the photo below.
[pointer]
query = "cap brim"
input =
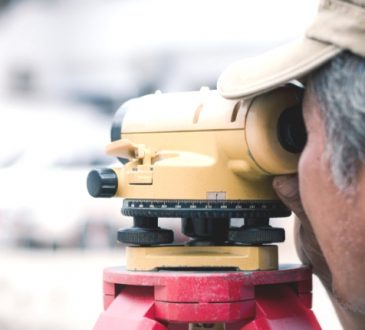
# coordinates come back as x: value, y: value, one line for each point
x: 252, y: 76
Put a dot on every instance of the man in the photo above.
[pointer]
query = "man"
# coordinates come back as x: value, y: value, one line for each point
x: 328, y: 195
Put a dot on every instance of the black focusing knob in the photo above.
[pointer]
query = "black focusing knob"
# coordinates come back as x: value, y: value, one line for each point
x: 102, y: 183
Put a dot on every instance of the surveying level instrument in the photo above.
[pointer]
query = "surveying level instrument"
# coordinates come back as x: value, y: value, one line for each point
x: 208, y: 162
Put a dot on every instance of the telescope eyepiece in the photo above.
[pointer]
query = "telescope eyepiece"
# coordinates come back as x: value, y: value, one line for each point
x: 291, y: 131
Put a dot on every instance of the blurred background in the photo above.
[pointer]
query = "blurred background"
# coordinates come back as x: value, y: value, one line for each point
x: 65, y: 67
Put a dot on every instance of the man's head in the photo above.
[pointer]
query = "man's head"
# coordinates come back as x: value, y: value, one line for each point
x: 339, y: 88
x: 332, y: 172
x: 331, y: 59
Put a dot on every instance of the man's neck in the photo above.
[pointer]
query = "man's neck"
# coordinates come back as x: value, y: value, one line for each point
x: 350, y: 320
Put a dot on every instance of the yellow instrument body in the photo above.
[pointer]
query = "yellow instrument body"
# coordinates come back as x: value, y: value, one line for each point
x: 200, y: 146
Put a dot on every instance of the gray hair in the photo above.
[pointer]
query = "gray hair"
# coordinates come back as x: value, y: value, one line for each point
x: 339, y: 87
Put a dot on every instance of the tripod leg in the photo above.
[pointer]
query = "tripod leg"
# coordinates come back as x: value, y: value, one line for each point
x: 132, y: 309
x: 279, y: 307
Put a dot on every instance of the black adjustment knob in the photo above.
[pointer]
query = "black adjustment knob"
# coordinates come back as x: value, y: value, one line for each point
x: 256, y: 231
x: 145, y: 231
x: 102, y: 183
x: 145, y: 237
x: 260, y: 235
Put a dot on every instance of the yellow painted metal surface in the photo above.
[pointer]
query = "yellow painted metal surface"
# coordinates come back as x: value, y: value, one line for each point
x: 247, y: 258
x: 200, y: 145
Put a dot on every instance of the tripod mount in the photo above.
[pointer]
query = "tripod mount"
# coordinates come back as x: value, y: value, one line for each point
x: 213, y: 243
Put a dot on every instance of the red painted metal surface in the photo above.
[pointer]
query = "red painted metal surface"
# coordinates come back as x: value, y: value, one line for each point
x: 279, y: 299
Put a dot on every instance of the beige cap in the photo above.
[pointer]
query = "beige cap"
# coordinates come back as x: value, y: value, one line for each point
x: 339, y: 25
